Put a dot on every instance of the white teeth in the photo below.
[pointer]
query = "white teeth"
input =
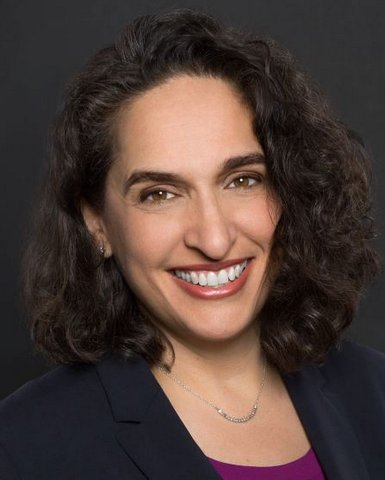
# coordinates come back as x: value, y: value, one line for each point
x: 213, y: 279
x: 194, y: 278
x: 237, y: 271
x: 231, y: 273
x: 223, y: 277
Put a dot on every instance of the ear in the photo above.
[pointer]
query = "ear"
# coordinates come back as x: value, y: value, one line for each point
x: 95, y: 225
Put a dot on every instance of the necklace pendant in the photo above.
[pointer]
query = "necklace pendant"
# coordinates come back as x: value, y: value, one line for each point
x: 237, y: 419
x: 221, y: 412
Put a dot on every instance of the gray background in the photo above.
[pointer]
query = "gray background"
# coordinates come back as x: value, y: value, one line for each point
x: 43, y: 42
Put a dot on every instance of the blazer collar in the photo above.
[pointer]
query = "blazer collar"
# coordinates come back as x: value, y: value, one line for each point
x: 327, y: 424
x: 151, y: 433
x: 157, y: 441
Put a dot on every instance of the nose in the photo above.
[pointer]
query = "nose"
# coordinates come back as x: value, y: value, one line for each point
x: 209, y: 228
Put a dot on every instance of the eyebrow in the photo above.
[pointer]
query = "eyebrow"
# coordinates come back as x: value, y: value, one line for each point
x: 229, y: 164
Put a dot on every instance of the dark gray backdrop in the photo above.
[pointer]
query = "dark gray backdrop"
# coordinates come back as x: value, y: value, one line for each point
x: 43, y: 42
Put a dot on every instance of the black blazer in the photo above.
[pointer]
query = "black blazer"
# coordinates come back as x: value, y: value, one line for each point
x: 112, y: 421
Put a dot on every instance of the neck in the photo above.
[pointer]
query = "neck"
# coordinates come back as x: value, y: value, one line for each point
x: 236, y: 364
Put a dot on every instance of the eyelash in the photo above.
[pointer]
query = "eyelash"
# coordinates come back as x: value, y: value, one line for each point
x: 257, y: 177
x: 145, y: 195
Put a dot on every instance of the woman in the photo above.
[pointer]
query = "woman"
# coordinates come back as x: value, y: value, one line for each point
x: 202, y: 243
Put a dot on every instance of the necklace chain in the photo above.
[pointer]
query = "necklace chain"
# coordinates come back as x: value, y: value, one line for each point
x: 220, y: 410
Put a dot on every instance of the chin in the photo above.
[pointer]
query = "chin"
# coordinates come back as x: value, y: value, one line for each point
x: 218, y: 334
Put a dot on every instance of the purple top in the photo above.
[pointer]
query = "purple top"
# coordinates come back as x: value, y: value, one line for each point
x: 304, y: 468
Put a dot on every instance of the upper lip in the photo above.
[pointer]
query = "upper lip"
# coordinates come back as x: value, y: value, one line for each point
x: 212, y: 266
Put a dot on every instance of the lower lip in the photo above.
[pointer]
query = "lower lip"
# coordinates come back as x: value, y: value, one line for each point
x: 211, y: 293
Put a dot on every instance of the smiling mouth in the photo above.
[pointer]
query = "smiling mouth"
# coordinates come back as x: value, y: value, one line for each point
x: 213, y: 279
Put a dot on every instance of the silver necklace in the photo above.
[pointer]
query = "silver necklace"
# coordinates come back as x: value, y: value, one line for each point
x: 220, y: 410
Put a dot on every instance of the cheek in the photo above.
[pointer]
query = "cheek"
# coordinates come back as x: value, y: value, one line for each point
x: 259, y: 222
x: 143, y: 239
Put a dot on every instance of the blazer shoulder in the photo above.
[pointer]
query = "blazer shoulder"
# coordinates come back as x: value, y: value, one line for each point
x: 352, y: 363
x: 48, y: 394
x: 349, y: 352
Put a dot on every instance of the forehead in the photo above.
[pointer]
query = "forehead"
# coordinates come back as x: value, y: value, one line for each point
x: 185, y: 122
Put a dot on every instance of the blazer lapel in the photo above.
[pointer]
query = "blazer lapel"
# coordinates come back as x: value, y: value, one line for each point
x: 156, y: 440
x: 326, y: 425
x: 151, y: 432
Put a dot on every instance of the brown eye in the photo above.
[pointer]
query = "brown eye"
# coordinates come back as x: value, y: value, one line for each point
x: 245, y: 181
x: 156, y: 196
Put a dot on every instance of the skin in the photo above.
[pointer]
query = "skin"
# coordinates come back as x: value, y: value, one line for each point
x: 189, y: 126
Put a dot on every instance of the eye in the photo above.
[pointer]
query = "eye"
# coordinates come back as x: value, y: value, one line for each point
x: 156, y: 196
x: 246, y: 181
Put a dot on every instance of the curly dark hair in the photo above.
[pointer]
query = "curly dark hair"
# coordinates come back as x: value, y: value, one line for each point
x: 81, y: 308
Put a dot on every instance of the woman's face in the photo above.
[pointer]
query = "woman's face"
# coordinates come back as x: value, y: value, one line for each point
x: 205, y: 202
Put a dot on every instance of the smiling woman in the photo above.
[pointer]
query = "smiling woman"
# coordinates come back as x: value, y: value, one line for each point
x: 206, y: 235
x: 203, y: 213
